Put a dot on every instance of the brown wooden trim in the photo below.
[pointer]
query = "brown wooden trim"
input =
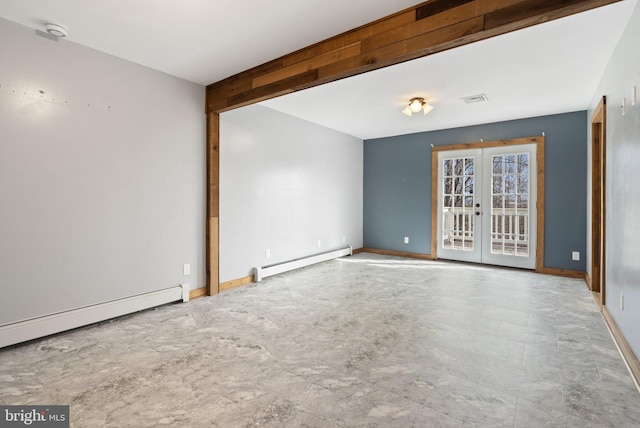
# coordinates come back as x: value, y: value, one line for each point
x: 587, y: 280
x: 236, y: 283
x: 357, y: 251
x: 213, y: 165
x: 434, y: 203
x: 427, y: 25
x: 627, y: 352
x: 485, y: 6
x: 603, y: 192
x: 437, y: 6
x: 421, y: 30
x: 563, y: 272
x: 397, y: 253
x: 213, y: 203
x: 598, y: 198
x: 596, y: 201
x: 198, y: 292
x: 540, y: 158
x: 301, y: 68
x: 403, y: 50
x: 531, y: 12
x: 489, y: 144
x: 214, y: 256
x: 281, y: 87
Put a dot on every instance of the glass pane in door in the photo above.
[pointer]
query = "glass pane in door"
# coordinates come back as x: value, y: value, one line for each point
x: 458, y: 184
x: 510, y: 204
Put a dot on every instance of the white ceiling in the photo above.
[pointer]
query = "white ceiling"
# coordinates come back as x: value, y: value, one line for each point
x: 547, y: 69
x: 203, y: 41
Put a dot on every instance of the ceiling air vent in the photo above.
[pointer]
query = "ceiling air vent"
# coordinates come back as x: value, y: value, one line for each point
x: 475, y: 99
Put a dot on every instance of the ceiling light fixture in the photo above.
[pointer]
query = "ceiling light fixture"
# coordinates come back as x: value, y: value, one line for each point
x: 56, y: 30
x: 417, y: 104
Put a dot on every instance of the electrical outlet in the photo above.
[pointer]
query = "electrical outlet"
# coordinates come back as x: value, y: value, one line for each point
x: 186, y: 269
x: 267, y: 253
x: 319, y: 243
x: 406, y: 239
x: 634, y: 95
x: 575, y: 256
x: 621, y: 302
x: 344, y: 239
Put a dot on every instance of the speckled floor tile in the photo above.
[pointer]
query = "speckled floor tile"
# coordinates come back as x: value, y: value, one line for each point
x: 362, y: 341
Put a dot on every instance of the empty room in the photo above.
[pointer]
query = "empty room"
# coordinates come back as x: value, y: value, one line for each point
x: 320, y: 214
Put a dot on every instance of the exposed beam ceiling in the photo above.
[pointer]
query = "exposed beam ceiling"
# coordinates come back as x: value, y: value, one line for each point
x: 546, y: 69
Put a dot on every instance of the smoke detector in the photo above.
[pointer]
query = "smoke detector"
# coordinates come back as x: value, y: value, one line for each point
x: 56, y: 30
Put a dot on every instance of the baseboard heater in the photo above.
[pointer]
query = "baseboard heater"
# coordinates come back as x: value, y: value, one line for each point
x: 34, y: 328
x: 262, y: 272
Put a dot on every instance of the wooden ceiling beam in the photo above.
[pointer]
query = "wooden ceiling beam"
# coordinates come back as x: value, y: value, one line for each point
x: 422, y: 30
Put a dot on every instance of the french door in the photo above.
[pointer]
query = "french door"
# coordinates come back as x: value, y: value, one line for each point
x: 487, y: 205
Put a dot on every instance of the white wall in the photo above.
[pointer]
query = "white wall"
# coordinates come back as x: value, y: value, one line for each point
x: 623, y: 183
x: 285, y: 183
x: 102, y: 191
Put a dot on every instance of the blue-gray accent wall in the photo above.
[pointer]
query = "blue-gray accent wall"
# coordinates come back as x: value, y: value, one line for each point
x: 397, y: 184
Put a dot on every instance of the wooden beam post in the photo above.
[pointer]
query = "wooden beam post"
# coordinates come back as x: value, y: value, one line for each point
x: 213, y: 203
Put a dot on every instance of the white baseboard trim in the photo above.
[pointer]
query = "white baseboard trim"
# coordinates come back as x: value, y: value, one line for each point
x: 22, y: 331
x: 262, y: 272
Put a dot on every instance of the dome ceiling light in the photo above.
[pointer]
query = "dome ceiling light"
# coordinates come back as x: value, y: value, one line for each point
x: 417, y: 104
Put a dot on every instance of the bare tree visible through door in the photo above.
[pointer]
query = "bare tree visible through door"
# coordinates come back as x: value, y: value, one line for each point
x: 458, y: 205
x: 510, y: 204
x: 487, y: 203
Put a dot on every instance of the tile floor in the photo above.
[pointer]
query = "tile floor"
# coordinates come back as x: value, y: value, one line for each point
x: 363, y: 341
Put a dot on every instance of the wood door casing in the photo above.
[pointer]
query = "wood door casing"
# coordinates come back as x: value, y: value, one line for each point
x: 598, y: 207
x: 539, y: 208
